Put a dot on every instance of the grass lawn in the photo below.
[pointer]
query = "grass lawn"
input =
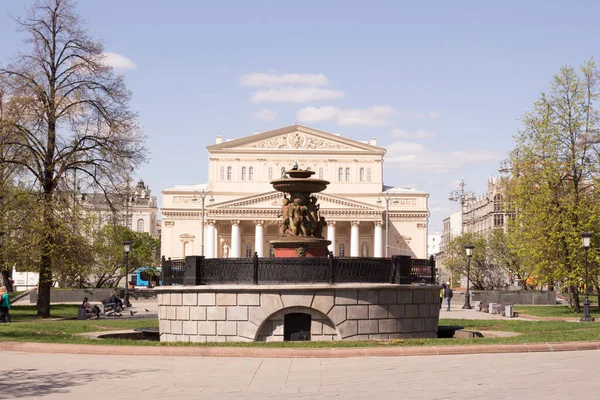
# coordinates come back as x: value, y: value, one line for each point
x: 28, y: 328
x: 555, y: 311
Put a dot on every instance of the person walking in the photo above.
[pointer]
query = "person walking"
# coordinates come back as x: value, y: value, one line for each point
x: 448, y: 296
x: 4, y: 305
x: 442, y: 294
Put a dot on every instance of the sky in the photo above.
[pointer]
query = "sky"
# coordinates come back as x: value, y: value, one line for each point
x: 441, y: 85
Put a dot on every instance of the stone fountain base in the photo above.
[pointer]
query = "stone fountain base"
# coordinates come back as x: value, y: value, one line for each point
x: 300, y: 247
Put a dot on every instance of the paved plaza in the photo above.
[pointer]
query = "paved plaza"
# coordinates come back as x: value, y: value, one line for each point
x: 560, y: 375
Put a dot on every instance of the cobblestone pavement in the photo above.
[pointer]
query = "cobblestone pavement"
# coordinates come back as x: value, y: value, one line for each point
x: 562, y: 375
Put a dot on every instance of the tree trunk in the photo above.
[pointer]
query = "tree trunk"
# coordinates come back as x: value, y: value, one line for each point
x: 574, y: 298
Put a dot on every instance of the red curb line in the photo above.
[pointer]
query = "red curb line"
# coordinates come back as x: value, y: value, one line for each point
x: 61, y: 348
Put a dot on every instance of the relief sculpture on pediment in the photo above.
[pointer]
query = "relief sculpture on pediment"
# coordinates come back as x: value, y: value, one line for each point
x: 297, y: 140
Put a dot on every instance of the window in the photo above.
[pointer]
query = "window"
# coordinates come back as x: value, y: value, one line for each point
x: 368, y: 174
x: 342, y: 250
x: 248, y: 250
x: 271, y: 251
x: 251, y: 173
x: 229, y: 173
x: 498, y: 203
x: 498, y: 220
x: 321, y: 173
x: 243, y: 173
x: 140, y: 225
x: 222, y: 173
x: 362, y: 174
x: 347, y: 174
x: 341, y: 174
x: 270, y: 173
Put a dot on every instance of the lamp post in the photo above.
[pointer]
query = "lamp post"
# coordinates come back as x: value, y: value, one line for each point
x: 387, y: 218
x: 461, y: 196
x: 469, y: 250
x: 204, y: 193
x: 127, y: 247
x: 585, y: 241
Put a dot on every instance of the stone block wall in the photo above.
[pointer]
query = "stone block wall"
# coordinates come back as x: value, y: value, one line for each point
x: 338, y: 312
x: 534, y: 297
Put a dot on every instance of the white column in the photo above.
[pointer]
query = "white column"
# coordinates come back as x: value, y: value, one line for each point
x: 377, y: 241
x: 236, y: 239
x: 259, y: 237
x: 354, y: 247
x: 331, y: 236
x: 211, y: 235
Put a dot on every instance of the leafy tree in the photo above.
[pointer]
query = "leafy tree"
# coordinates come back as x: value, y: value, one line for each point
x: 68, y: 112
x: 109, y: 267
x: 485, y: 273
x: 554, y: 182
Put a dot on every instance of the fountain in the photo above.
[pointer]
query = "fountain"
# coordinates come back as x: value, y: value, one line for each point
x: 301, y: 226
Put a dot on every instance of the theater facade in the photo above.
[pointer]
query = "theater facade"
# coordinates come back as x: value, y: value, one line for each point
x: 241, y: 210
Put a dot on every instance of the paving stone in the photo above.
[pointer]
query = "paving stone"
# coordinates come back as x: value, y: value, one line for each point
x: 216, y: 339
x: 378, y: 311
x: 368, y: 297
x: 418, y: 325
x: 323, y: 301
x: 346, y: 297
x: 190, y: 299
x: 165, y: 327
x: 226, y: 299
x: 379, y: 336
x: 207, y: 299
x: 357, y: 312
x: 248, y: 299
x: 183, y: 338
x: 321, y: 338
x: 198, y: 339
x: 368, y: 326
x: 238, y: 313
x: 216, y: 313
x: 172, y: 313
x: 405, y: 325
x: 337, y: 314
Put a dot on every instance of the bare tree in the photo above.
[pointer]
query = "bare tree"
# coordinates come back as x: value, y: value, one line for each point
x: 71, y: 113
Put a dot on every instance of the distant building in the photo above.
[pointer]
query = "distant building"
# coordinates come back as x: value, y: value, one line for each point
x: 488, y: 211
x: 434, y: 241
x: 241, y: 210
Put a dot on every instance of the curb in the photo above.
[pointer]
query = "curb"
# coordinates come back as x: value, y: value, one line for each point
x: 61, y: 348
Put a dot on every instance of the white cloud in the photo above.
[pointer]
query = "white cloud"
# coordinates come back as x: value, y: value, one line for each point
x: 414, y: 157
x: 118, y: 61
x: 270, y: 80
x: 294, y: 94
x: 266, y: 114
x: 440, y: 210
x: 427, y: 115
x: 372, y: 116
x: 420, y: 134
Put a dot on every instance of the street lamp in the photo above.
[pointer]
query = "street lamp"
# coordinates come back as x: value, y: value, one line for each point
x: 204, y: 193
x: 469, y: 250
x: 387, y: 219
x: 461, y: 196
x: 585, y: 241
x: 127, y: 246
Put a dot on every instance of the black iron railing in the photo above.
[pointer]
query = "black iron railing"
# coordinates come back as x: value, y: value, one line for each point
x: 197, y: 270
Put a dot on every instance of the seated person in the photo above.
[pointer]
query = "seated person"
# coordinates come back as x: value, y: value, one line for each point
x: 114, y: 299
x: 90, y: 309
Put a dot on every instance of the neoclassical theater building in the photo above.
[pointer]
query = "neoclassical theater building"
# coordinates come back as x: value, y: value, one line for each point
x: 241, y: 210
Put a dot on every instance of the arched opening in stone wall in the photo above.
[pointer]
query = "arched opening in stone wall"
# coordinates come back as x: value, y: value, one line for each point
x: 296, y: 327
x: 320, y: 326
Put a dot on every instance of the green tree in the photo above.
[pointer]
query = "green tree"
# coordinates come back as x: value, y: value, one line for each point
x: 69, y: 113
x: 109, y: 266
x: 555, y: 169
